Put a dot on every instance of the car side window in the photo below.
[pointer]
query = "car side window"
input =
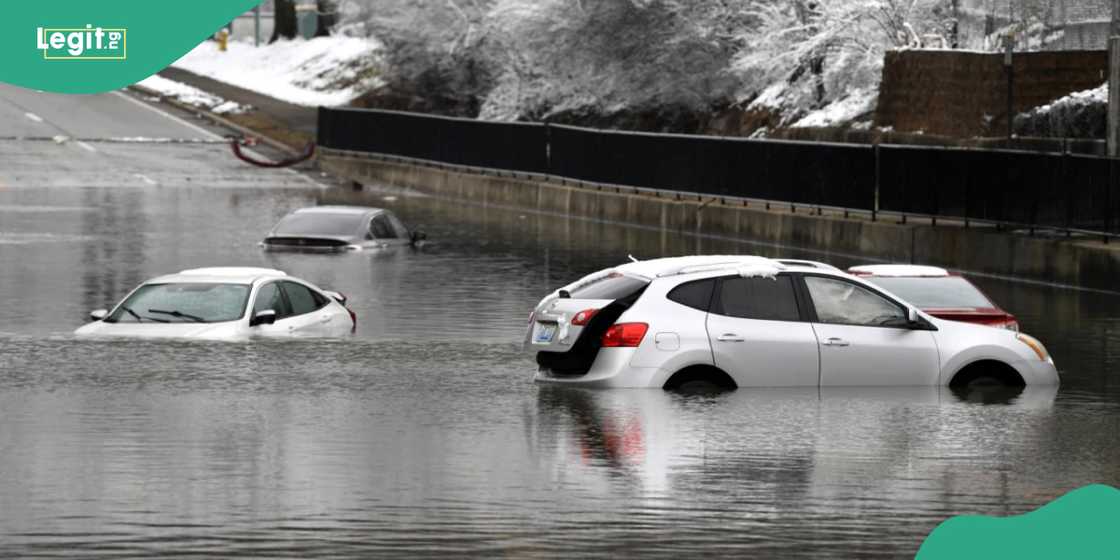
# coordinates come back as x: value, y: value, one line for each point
x: 768, y: 299
x: 301, y: 298
x: 269, y: 297
x: 398, y: 227
x: 845, y: 303
x: 696, y: 295
x: 380, y: 227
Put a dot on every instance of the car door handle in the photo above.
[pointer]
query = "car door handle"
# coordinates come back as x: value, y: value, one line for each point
x: 325, y: 319
x: 836, y: 342
x: 730, y: 337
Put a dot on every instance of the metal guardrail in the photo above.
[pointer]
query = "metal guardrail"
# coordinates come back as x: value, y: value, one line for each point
x: 1015, y: 189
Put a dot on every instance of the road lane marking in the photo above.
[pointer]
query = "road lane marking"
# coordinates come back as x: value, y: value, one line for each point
x: 87, y: 147
x: 33, y: 117
x: 145, y: 178
x: 168, y: 116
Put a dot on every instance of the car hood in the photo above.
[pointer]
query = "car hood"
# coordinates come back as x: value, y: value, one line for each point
x: 161, y: 330
x: 993, y: 312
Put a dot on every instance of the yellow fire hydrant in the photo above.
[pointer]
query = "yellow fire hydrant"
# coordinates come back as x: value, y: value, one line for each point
x: 223, y: 39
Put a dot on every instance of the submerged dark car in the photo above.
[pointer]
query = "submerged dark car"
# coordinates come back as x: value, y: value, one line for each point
x: 339, y: 228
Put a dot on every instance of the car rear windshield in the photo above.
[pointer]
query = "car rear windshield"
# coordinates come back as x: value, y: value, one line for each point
x: 183, y: 303
x: 320, y: 223
x: 612, y: 286
x: 934, y: 292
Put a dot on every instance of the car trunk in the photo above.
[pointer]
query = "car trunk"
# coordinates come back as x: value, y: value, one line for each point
x: 571, y: 349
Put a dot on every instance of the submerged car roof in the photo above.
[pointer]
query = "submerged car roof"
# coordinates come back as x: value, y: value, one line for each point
x: 220, y: 274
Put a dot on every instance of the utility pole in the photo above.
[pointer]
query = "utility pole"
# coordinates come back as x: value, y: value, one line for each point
x: 1009, y: 67
x: 1114, y: 82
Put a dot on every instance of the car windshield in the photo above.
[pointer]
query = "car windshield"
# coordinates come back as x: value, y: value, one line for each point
x: 183, y: 303
x: 934, y: 292
x: 320, y: 223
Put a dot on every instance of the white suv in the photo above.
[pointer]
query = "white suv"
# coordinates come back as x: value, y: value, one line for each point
x: 737, y: 321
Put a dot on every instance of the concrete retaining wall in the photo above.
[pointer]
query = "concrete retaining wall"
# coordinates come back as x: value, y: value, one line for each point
x: 1089, y: 264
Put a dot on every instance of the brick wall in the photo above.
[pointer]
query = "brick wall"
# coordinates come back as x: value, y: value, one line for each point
x: 964, y: 94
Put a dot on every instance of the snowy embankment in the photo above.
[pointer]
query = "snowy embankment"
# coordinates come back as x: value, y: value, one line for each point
x: 192, y: 95
x: 1081, y: 114
x: 328, y: 71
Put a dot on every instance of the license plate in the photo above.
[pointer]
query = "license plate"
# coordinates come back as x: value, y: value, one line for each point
x: 544, y: 333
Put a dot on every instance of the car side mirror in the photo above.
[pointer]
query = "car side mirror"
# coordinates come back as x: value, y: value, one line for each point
x: 98, y: 314
x: 917, y: 322
x: 266, y: 317
x: 418, y: 236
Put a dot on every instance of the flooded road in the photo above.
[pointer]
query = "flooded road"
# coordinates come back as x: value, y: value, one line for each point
x: 423, y: 434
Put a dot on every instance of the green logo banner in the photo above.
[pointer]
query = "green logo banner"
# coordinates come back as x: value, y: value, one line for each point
x: 1080, y: 524
x: 94, y: 46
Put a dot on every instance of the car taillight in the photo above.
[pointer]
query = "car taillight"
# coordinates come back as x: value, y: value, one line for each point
x: 624, y: 335
x: 353, y: 319
x: 583, y: 317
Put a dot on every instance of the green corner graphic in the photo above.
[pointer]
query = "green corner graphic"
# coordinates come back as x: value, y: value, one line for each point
x: 102, y: 45
x: 1083, y: 524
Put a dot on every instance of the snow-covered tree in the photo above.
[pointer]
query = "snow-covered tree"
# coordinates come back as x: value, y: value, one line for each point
x: 641, y: 63
x: 806, y: 54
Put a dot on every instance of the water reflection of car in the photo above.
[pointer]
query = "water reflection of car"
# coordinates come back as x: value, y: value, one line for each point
x: 781, y: 445
x: 339, y: 228
x: 225, y: 303
x: 940, y: 293
x: 735, y: 321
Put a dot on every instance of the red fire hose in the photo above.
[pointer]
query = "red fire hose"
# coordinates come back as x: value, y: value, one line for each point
x: 236, y: 143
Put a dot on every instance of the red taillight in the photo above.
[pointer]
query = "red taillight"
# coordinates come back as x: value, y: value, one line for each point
x: 353, y: 319
x: 624, y: 335
x: 583, y: 317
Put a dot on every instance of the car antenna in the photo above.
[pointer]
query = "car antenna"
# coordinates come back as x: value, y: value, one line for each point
x: 632, y: 259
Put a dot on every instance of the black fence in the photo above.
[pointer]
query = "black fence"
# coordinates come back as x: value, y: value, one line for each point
x: 1063, y: 191
x: 496, y: 145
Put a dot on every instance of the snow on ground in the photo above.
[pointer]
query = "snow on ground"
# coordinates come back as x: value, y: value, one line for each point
x: 859, y: 103
x: 1093, y: 96
x: 1081, y: 114
x: 327, y: 71
x: 191, y: 95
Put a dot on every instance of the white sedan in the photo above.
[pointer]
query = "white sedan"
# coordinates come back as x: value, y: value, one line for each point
x: 736, y: 321
x: 225, y: 303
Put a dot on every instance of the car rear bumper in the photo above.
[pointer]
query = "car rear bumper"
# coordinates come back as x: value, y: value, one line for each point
x: 611, y: 369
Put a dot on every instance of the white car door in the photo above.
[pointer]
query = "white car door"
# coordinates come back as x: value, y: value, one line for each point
x: 312, y: 313
x: 758, y: 336
x: 864, y: 337
x: 269, y: 297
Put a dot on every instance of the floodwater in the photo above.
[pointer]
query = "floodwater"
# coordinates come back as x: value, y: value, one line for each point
x: 423, y: 434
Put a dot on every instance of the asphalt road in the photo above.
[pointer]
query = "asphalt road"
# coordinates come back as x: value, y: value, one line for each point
x: 117, y: 139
